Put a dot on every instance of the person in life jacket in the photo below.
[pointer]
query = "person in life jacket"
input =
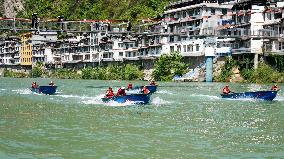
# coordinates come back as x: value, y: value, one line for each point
x: 145, y: 90
x: 51, y: 83
x: 226, y: 90
x: 109, y: 93
x: 121, y: 91
x: 275, y: 87
x: 34, y: 85
x: 153, y: 83
x: 129, y: 87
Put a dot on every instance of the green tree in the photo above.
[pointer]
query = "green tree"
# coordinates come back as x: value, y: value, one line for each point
x: 132, y: 72
x: 226, y: 70
x: 169, y: 65
x: 87, y: 73
x: 38, y: 70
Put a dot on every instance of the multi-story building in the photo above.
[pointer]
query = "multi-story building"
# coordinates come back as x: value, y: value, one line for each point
x: 9, y: 51
x: 40, y: 41
x: 273, y: 28
x: 238, y: 27
x: 33, y: 47
x: 26, y: 50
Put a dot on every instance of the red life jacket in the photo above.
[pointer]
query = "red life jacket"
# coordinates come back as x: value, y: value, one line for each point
x: 109, y: 93
x: 226, y: 90
x: 121, y: 92
x: 146, y: 91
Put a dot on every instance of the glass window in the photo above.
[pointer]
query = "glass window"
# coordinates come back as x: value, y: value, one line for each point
x: 189, y: 48
x: 184, y: 48
x: 197, y: 47
x: 224, y: 11
x: 172, y: 48
x: 213, y: 11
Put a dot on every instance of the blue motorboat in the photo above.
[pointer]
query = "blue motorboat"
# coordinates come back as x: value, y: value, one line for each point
x: 262, y: 95
x: 135, y: 98
x: 151, y: 88
x: 45, y: 89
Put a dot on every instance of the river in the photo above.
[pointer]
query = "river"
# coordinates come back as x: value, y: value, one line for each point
x: 183, y: 120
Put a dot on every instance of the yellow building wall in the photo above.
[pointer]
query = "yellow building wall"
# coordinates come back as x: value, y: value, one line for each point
x: 26, y: 50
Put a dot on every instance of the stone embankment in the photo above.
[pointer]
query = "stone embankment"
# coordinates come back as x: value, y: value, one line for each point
x: 148, y: 74
x: 236, y: 77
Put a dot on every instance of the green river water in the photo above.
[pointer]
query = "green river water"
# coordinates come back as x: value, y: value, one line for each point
x: 183, y: 120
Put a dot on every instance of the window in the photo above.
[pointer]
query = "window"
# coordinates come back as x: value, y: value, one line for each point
x: 213, y: 11
x: 105, y: 55
x: 87, y: 57
x: 189, y: 48
x: 184, y: 14
x: 197, y: 47
x: 172, y: 38
x: 281, y: 46
x: 120, y: 45
x: 224, y: 11
x: 172, y: 48
x: 120, y: 53
x: 269, y: 16
x: 184, y: 48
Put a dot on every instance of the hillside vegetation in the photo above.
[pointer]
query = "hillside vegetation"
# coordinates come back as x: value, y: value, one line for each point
x: 94, y: 9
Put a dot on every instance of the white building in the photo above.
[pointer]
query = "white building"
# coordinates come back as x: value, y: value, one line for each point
x: 9, y: 51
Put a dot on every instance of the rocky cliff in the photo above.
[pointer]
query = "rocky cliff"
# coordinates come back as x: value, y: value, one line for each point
x: 10, y: 8
x: 84, y: 9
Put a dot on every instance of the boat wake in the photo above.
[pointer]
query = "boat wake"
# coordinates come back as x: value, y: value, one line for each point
x: 205, y: 96
x: 243, y: 99
x: 72, y: 96
x: 279, y: 98
x: 98, y: 101
x: 164, y: 92
x: 157, y: 101
x: 23, y: 91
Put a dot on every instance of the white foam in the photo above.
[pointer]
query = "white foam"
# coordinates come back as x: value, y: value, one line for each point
x: 243, y: 99
x: 279, y: 98
x: 23, y: 91
x: 72, y: 96
x: 206, y: 96
x: 164, y: 92
x: 3, y: 89
x: 97, y: 100
x: 59, y: 92
x: 157, y: 101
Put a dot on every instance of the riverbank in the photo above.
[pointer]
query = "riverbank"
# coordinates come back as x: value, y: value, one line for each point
x: 111, y: 72
x: 236, y: 71
x: 225, y: 69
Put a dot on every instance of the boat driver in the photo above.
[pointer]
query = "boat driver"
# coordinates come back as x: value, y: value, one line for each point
x: 226, y: 90
x: 275, y: 87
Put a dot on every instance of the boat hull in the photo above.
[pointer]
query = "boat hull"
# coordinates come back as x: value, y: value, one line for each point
x: 263, y: 95
x: 45, y: 89
x: 135, y: 98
